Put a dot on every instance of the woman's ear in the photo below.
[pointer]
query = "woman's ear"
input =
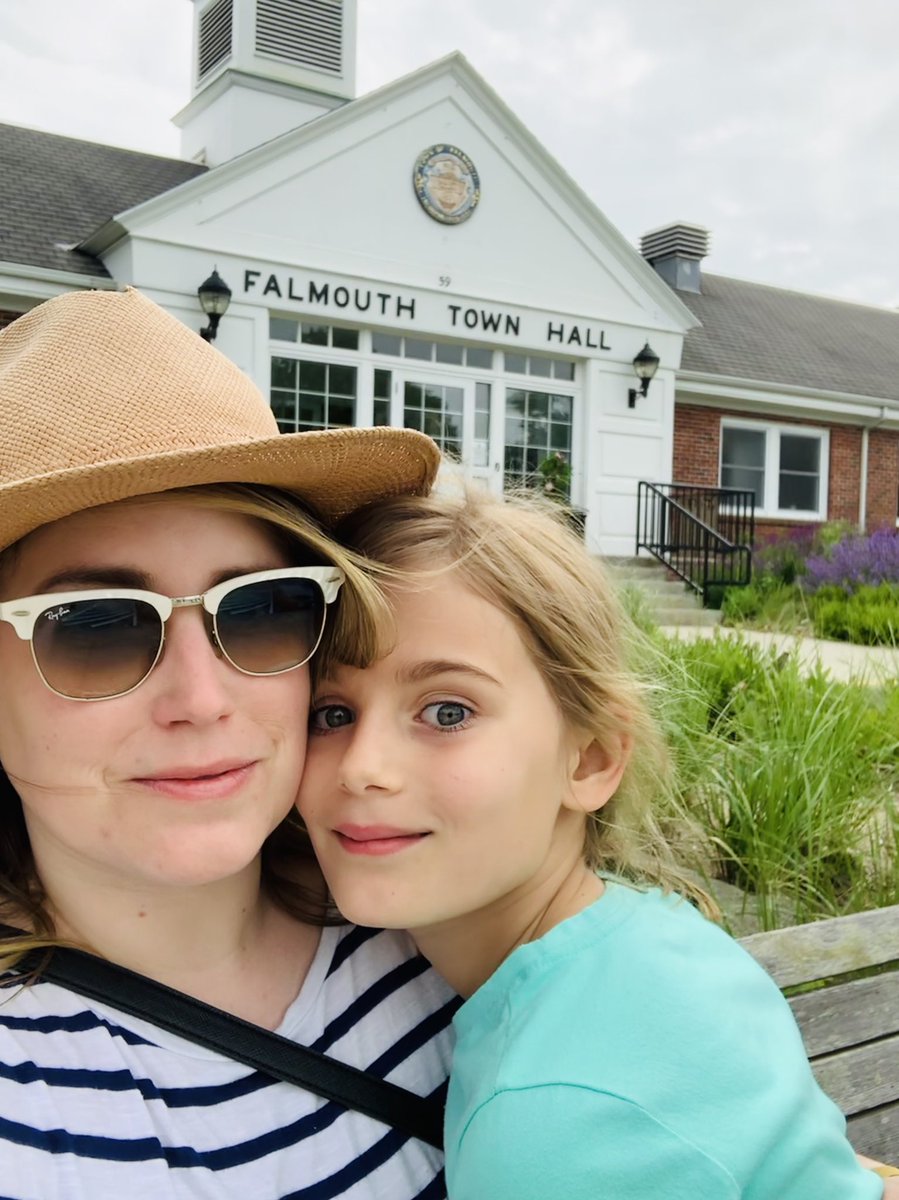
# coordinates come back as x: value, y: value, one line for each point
x: 596, y: 772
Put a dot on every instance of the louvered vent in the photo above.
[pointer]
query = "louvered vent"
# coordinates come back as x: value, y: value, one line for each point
x: 306, y: 32
x: 215, y: 36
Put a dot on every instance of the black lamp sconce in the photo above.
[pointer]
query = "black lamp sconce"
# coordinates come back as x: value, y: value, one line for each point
x: 646, y: 364
x: 215, y: 296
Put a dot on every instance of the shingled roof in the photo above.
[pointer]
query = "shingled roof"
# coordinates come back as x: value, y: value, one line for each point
x: 55, y: 191
x: 754, y: 332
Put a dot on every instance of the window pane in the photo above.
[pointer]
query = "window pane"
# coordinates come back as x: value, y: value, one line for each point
x: 478, y: 357
x: 514, y: 432
x: 799, y: 453
x: 745, y: 477
x: 434, y: 399
x: 311, y: 409
x: 450, y: 354
x: 541, y: 366
x: 538, y: 405
x: 342, y: 380
x: 562, y: 369
x: 283, y: 330
x: 345, y: 339
x: 560, y: 409
x: 482, y: 396
x: 341, y: 412
x: 412, y: 418
x: 482, y: 426
x: 742, y: 448
x: 560, y: 437
x: 386, y: 343
x: 284, y: 372
x: 284, y: 406
x: 516, y: 363
x: 514, y: 401
x: 312, y: 376
x: 315, y: 335
x: 412, y: 393
x: 381, y: 415
x: 433, y: 425
x: 798, y: 492
x: 416, y: 348
x: 382, y: 384
x: 453, y: 399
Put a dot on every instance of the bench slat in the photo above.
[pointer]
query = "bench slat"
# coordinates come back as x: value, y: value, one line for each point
x: 877, y: 1133
x: 804, y: 953
x: 847, y: 1014
x: 862, y: 1078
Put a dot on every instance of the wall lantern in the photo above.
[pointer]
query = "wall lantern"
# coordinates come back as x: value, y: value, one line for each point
x: 215, y: 296
x: 645, y: 366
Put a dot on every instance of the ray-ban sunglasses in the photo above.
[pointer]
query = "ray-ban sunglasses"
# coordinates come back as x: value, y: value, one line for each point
x: 98, y: 644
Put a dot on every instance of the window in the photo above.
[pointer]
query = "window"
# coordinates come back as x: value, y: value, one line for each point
x: 312, y: 395
x: 435, y: 409
x: 537, y: 424
x: 427, y: 351
x: 535, y: 364
x: 784, y: 466
x: 287, y: 329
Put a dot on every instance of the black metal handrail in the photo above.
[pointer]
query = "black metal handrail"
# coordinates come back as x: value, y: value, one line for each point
x: 703, y: 534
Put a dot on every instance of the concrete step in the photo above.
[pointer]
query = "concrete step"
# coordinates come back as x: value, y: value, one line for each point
x: 670, y: 601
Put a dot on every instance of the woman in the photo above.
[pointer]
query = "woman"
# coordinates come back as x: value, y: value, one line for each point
x: 157, y: 624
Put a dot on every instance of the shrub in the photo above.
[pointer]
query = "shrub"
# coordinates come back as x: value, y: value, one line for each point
x: 867, y: 617
x: 855, y: 562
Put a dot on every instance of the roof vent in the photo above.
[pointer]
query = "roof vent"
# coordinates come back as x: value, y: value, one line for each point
x: 215, y: 36
x: 675, y: 251
x: 306, y: 32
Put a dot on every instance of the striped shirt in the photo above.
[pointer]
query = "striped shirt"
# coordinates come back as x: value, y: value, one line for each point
x: 98, y: 1105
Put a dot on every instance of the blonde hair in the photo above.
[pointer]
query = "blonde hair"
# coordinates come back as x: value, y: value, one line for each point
x: 518, y: 554
x: 353, y: 631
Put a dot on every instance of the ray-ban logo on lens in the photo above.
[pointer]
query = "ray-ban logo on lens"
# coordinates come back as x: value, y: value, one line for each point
x: 57, y: 613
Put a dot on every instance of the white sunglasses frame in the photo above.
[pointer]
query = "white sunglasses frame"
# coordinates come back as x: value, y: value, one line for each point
x: 23, y: 614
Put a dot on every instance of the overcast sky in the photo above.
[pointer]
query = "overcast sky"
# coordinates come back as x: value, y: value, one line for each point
x: 775, y: 123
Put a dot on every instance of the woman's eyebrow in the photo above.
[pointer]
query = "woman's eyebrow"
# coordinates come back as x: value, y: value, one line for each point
x: 421, y: 671
x: 78, y: 576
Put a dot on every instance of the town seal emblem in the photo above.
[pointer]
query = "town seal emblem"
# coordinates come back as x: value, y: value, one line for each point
x: 446, y: 184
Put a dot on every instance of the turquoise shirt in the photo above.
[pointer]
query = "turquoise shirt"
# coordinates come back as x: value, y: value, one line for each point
x: 636, y: 1052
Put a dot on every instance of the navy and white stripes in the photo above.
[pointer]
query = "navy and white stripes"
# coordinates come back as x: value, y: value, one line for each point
x: 95, y: 1104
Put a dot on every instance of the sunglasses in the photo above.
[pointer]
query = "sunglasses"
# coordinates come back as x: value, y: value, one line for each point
x: 95, y: 645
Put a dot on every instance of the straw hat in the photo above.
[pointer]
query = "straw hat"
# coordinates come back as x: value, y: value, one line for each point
x: 104, y: 395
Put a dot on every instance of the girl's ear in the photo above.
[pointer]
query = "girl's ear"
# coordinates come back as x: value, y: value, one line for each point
x: 596, y: 772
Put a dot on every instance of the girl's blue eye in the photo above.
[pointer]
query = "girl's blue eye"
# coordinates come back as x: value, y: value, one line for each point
x: 331, y: 716
x: 447, y: 714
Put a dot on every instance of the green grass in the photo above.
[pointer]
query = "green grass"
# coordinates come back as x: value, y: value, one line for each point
x: 787, y: 782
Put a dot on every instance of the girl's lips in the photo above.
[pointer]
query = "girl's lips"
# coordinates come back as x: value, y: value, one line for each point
x: 375, y: 840
x: 210, y: 783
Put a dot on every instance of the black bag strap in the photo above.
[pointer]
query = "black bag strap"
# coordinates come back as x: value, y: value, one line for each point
x: 265, y: 1051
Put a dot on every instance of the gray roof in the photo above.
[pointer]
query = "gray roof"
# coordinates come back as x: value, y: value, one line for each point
x: 755, y: 332
x: 55, y: 191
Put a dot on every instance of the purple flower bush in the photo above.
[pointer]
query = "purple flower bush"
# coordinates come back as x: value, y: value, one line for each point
x: 855, y: 562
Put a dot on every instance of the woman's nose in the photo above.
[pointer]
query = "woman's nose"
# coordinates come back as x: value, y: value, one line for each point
x: 192, y: 680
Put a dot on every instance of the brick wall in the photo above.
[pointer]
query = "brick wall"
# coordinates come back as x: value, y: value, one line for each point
x: 883, y: 478
x: 697, y: 441
x: 697, y: 434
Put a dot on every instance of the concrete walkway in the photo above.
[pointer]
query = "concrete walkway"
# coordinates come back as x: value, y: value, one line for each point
x: 871, y: 664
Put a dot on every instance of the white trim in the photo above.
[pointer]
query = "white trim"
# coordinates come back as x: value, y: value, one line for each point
x: 773, y: 431
x: 722, y: 391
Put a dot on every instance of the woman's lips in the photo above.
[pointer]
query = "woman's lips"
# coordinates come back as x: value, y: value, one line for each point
x: 376, y: 840
x: 214, y: 782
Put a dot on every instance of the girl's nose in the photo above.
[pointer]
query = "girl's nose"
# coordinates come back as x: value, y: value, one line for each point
x: 371, y: 761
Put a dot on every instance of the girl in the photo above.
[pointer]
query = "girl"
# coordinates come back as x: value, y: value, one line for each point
x: 486, y: 784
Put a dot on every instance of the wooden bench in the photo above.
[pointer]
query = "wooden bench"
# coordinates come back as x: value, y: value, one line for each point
x: 850, y: 1028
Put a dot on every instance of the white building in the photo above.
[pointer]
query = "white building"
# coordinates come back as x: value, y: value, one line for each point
x: 411, y: 257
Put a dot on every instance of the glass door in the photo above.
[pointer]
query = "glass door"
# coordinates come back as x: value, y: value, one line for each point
x: 454, y: 412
